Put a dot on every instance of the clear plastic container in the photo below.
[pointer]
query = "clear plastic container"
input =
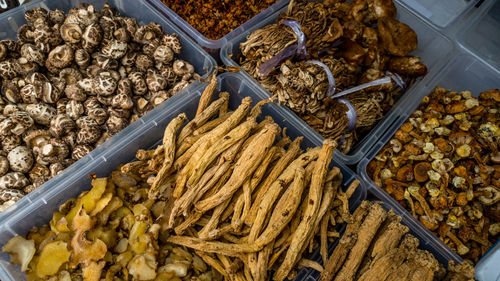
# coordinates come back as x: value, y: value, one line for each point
x: 441, y: 13
x: 464, y: 72
x: 191, y: 52
x: 481, y: 36
x: 434, y: 48
x: 107, y: 157
x: 487, y: 267
x: 213, y: 46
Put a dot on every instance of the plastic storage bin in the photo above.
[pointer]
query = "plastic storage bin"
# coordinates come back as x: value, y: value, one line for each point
x: 433, y: 47
x: 464, y: 72
x: 481, y: 37
x: 213, y: 46
x: 107, y: 157
x: 13, y: 19
x: 487, y: 267
x: 440, y: 13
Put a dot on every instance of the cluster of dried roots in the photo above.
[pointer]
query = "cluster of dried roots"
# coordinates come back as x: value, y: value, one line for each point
x: 239, y: 192
x: 358, y: 41
x: 376, y: 246
x: 245, y: 199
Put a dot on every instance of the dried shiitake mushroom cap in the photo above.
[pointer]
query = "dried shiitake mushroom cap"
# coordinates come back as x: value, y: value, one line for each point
x: 115, y: 49
x: 182, y: 67
x: 173, y: 42
x: 3, y: 51
x: 4, y: 165
x: 92, y: 37
x: 32, y: 54
x: 163, y: 54
x: 80, y: 151
x: 397, y: 38
x: 20, y: 159
x: 71, y: 33
x: 25, y: 34
x: 61, y: 56
x: 35, y: 13
x: 82, y: 58
x: 10, y: 91
x: 104, y: 85
x: 8, y: 69
x: 70, y: 75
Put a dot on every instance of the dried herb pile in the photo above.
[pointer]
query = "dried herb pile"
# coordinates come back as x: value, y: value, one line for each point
x: 443, y: 165
x: 376, y: 246
x: 227, y: 186
x: 359, y: 42
x: 214, y: 19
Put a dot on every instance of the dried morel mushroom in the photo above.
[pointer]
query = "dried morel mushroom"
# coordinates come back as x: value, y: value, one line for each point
x: 73, y: 80
x: 228, y: 187
x: 359, y: 42
x: 443, y: 166
x: 214, y: 19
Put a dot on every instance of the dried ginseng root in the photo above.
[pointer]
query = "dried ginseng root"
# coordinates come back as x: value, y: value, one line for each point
x: 239, y: 202
x: 443, y: 165
x: 376, y: 246
x: 316, y: 50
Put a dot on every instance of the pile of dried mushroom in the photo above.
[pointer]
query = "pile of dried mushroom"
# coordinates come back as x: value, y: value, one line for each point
x: 214, y: 19
x: 358, y: 42
x: 376, y: 246
x: 244, y: 199
x: 72, y: 81
x: 443, y: 165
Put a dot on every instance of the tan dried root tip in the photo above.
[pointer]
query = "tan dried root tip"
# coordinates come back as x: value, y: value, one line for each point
x: 207, y: 94
x: 257, y: 109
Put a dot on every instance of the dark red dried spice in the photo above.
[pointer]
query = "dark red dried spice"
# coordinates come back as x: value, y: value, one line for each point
x: 213, y: 18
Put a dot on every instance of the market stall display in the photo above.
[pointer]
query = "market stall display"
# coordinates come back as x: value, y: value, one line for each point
x: 106, y: 173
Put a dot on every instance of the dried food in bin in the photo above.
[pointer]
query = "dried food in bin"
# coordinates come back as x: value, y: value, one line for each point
x: 376, y: 246
x: 340, y: 66
x: 442, y: 165
x: 244, y: 199
x: 215, y: 19
x: 73, y: 80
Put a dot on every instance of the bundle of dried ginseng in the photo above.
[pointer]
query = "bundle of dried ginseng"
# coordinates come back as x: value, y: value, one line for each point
x: 229, y: 185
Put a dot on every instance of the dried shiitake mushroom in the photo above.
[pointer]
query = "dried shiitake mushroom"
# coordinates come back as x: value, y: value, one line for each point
x: 67, y: 71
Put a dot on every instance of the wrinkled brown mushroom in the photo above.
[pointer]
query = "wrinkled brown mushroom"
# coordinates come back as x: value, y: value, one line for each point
x: 411, y: 66
x: 397, y: 38
x: 71, y: 33
x: 60, y: 57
